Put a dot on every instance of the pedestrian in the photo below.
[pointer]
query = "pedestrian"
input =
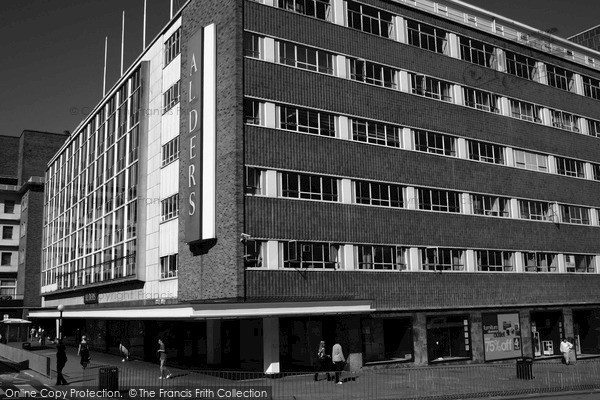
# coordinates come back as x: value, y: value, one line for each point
x: 572, y: 353
x: 42, y: 336
x: 338, y: 359
x: 32, y: 333
x: 565, y: 348
x: 84, y: 352
x: 323, y: 361
x: 61, y: 361
x: 124, y: 348
x: 162, y: 355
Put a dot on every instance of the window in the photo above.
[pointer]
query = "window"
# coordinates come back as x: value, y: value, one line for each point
x: 574, y: 214
x: 305, y: 58
x: 540, y: 262
x: 559, y: 77
x: 591, y: 87
x: 310, y: 255
x: 439, y: 259
x: 526, y: 111
x: 370, y: 20
x: 596, y: 172
x: 313, y: 8
x: 172, y: 46
x: 307, y: 121
x: 6, y: 259
x: 252, y: 112
x: 252, y: 45
x: 381, y: 257
x: 563, y: 120
x: 8, y: 287
x: 490, y: 205
x: 170, y: 151
x: 485, y: 152
x: 7, y: 232
x: 594, y: 127
x: 438, y: 200
x: 427, y: 37
x: 170, y: 207
x: 519, y: 65
x: 375, y: 74
x: 477, y: 52
x: 535, y: 210
x: 580, y: 263
x: 312, y: 187
x: 437, y: 143
x: 494, y: 261
x: 481, y: 100
x: 570, y: 167
x: 171, y: 97
x: 168, y: 266
x: 532, y: 161
x: 378, y: 194
x: 254, y: 181
x: 376, y: 133
x: 253, y: 253
x: 422, y: 85
x: 9, y: 207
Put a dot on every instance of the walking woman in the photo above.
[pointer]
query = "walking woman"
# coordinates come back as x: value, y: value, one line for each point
x: 84, y: 352
x: 323, y: 361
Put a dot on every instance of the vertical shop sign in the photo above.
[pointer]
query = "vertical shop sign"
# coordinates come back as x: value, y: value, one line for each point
x: 502, y: 336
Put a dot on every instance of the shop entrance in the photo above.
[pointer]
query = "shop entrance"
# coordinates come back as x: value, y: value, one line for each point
x: 586, y: 324
x: 387, y: 339
x: 299, y: 340
x: 546, y: 333
x: 448, y: 338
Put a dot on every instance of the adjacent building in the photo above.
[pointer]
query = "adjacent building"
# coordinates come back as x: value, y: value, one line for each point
x: 416, y: 180
x: 23, y: 162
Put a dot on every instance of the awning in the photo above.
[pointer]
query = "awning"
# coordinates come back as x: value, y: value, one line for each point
x: 212, y: 311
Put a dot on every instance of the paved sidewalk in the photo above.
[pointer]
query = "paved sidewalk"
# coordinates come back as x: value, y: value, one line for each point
x: 439, y: 382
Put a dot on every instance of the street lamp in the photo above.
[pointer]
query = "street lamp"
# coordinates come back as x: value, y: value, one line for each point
x: 61, y: 308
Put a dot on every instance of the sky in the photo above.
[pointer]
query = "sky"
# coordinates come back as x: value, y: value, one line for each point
x: 52, y: 60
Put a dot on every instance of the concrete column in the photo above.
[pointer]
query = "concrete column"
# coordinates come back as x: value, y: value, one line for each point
x: 546, y: 116
x: 505, y: 107
x: 341, y: 71
x: 348, y: 330
x: 213, y: 341
x: 413, y: 259
x: 412, y: 203
x: 404, y: 82
x: 271, y: 254
x: 541, y: 75
x: 582, y: 125
x: 551, y: 164
x: 509, y: 158
x: 562, y: 267
x: 594, y: 217
x: 399, y: 29
x: 454, y: 45
x: 420, y: 339
x: 271, y: 186
x: 461, y: 148
x: 514, y: 209
x: 470, y: 261
x: 526, y: 345
x: 269, y: 115
x: 597, y: 264
x: 348, y: 257
x: 476, y: 337
x: 568, y: 330
x: 588, y: 171
x: 338, y: 8
x: 343, y: 128
x: 457, y: 95
x: 271, y: 345
x: 578, y: 85
x: 500, y: 60
x: 269, y: 46
x: 518, y: 262
x: 466, y: 206
x: 407, y: 139
x: 346, y: 191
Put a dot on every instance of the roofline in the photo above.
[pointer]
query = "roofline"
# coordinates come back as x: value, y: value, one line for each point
x: 582, y: 32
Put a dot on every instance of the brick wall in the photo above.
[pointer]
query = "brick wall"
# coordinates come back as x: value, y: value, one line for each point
x: 9, y: 153
x: 28, y: 278
x: 36, y: 150
x: 425, y: 290
x: 217, y: 273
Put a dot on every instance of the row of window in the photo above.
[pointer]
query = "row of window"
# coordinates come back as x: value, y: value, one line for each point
x: 360, y: 70
x: 327, y: 188
x: 381, y: 23
x: 321, y: 255
x: 324, y: 124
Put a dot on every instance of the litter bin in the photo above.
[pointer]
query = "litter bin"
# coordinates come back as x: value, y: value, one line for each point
x: 525, y: 368
x: 109, y: 378
x: 26, y: 346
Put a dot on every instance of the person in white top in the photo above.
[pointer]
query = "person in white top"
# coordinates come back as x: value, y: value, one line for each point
x: 565, y: 348
x: 338, y: 359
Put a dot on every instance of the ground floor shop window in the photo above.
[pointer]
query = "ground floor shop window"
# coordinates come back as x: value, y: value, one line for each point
x: 448, y: 338
x: 546, y: 333
x: 501, y: 336
x: 586, y: 325
x: 387, y: 339
x: 299, y: 341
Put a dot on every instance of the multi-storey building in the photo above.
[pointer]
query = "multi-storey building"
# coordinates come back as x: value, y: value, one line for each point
x: 417, y: 180
x: 23, y: 161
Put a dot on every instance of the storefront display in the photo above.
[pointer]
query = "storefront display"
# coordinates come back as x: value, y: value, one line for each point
x: 501, y: 336
x: 546, y: 332
x: 448, y: 338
